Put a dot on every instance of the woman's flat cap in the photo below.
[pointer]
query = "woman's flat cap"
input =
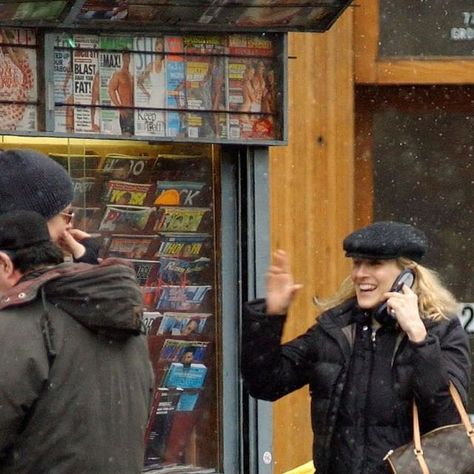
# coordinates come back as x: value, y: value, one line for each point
x: 386, y: 240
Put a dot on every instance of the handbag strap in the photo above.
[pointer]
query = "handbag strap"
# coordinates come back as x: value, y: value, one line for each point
x: 416, y: 427
x: 462, y: 412
x: 417, y: 441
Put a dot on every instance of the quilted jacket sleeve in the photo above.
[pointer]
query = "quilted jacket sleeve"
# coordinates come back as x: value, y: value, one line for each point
x: 444, y: 356
x: 270, y: 369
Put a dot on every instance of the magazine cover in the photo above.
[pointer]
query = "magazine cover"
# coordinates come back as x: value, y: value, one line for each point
x: 18, y: 80
x: 146, y: 271
x: 175, y: 244
x: 198, y: 82
x: 179, y: 219
x: 126, y: 193
x: 63, y: 92
x: 188, y: 400
x: 178, y: 193
x: 150, y: 86
x: 159, y: 424
x: 175, y: 86
x: 86, y: 83
x: 116, y: 85
x: 150, y: 320
x: 130, y: 246
x: 205, y: 86
x: 252, y: 93
x: 181, y: 375
x: 180, y: 271
x: 250, y: 45
x: 181, y: 298
x: 125, y: 219
x: 180, y: 324
x: 208, y: 125
x: 177, y: 350
x: 205, y: 44
x: 127, y: 167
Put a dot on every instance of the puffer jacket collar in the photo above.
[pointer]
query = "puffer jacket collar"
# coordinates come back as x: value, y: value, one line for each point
x: 339, y: 323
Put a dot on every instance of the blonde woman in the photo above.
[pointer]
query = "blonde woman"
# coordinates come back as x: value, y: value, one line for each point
x: 370, y: 353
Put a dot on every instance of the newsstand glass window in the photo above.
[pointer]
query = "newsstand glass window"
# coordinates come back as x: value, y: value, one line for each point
x: 155, y: 206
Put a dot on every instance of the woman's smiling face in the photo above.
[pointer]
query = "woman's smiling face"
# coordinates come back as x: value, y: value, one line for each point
x: 373, y: 278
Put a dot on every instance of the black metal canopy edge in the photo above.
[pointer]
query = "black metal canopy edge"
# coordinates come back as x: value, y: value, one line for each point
x: 70, y: 18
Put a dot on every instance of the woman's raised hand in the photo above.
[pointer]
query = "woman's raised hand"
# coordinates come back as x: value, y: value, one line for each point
x: 281, y: 287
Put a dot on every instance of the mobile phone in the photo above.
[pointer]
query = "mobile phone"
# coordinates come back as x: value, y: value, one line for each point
x: 406, y: 277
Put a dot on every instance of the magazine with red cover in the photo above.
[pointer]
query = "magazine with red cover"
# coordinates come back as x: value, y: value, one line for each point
x: 126, y: 193
x: 179, y: 219
x: 125, y: 219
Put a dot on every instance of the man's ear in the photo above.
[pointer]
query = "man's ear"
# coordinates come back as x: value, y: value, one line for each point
x: 6, y: 264
x: 7, y: 270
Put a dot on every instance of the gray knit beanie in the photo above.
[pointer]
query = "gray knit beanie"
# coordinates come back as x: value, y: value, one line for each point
x: 30, y: 181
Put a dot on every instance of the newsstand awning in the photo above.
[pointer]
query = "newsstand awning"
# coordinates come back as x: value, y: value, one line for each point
x: 176, y: 15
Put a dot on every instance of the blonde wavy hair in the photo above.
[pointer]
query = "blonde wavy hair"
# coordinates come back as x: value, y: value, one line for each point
x: 434, y: 300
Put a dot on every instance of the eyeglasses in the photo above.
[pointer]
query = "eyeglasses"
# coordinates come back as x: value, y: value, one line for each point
x: 68, y: 216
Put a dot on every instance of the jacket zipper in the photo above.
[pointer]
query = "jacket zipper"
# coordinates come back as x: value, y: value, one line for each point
x: 372, y: 357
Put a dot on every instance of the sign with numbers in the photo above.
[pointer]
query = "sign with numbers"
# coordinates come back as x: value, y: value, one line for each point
x: 467, y: 317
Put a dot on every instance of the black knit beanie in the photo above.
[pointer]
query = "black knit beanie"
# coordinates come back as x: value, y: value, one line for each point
x: 21, y: 229
x: 386, y: 240
x: 33, y: 182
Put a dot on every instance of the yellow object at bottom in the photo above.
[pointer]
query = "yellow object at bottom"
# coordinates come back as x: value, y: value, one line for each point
x: 307, y: 468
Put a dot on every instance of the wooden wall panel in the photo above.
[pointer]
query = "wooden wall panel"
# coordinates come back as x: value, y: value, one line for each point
x: 311, y: 194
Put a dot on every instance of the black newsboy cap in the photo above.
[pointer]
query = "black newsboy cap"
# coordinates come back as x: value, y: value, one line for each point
x: 386, y: 240
x: 21, y: 229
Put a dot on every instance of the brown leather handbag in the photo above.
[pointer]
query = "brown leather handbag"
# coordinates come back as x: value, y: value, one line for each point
x: 445, y: 450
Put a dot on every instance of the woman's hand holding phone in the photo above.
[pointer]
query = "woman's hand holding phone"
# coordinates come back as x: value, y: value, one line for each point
x: 404, y: 305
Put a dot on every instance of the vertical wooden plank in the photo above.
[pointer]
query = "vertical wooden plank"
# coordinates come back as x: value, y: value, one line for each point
x: 366, y: 37
x: 311, y: 195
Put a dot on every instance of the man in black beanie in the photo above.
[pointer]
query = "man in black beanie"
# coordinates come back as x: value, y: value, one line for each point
x: 375, y: 347
x: 33, y: 182
x: 75, y: 376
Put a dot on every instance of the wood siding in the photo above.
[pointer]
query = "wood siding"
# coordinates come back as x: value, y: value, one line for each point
x: 311, y: 194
